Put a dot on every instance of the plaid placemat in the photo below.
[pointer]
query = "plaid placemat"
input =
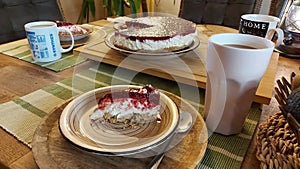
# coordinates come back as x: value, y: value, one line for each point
x: 21, y: 116
x: 20, y: 49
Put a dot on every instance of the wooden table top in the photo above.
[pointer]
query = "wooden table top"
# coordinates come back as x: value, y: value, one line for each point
x: 18, y: 78
x: 192, y: 70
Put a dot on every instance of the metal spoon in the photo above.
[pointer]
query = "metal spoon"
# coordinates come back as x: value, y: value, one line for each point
x: 185, y: 123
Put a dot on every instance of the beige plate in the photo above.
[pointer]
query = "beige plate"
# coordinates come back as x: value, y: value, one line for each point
x: 52, y: 151
x: 104, y: 138
x: 109, y: 41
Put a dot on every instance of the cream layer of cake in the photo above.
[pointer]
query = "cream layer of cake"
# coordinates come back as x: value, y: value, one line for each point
x: 131, y: 106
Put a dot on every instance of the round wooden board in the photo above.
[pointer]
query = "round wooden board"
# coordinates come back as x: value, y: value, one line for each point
x: 51, y: 150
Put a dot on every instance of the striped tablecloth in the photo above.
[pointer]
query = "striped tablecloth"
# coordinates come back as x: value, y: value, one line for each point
x: 21, y: 116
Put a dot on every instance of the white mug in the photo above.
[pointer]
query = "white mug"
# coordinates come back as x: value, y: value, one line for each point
x: 235, y: 64
x: 261, y: 25
x: 44, y: 40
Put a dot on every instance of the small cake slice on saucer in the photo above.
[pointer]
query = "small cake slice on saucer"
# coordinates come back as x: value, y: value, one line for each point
x: 78, y: 31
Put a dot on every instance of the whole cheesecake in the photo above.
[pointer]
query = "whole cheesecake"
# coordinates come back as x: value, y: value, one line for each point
x: 156, y: 33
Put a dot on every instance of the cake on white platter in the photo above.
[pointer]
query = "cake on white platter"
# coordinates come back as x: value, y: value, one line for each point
x: 156, y: 33
x: 131, y: 107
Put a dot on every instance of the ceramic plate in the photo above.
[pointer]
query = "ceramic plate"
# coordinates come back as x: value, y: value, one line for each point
x: 107, y: 139
x: 119, y: 26
x: 292, y: 50
x: 66, y: 37
x: 109, y: 41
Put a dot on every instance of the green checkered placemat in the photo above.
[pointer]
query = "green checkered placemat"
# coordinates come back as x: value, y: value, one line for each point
x: 20, y: 49
x: 21, y: 116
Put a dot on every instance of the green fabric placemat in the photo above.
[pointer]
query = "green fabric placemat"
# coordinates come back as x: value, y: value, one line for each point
x: 20, y: 49
x: 21, y: 116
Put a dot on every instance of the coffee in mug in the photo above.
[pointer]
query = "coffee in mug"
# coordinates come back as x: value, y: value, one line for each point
x: 44, y: 41
x: 261, y: 25
x: 235, y: 65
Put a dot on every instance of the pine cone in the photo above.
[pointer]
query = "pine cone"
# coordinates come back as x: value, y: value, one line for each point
x: 293, y: 104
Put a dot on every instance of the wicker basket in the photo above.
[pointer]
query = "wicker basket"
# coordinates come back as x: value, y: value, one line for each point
x: 278, y: 138
x: 281, y: 93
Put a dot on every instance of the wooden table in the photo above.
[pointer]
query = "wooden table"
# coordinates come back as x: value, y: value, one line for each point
x: 192, y: 70
x: 18, y: 78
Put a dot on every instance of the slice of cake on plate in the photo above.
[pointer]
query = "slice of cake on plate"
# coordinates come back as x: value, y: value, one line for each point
x: 78, y: 31
x: 131, y: 107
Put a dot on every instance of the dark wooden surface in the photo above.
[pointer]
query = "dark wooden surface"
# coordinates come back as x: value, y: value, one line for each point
x: 18, y: 78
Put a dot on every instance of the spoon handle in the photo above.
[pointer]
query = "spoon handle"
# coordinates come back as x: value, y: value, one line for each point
x: 185, y: 124
x: 156, y: 161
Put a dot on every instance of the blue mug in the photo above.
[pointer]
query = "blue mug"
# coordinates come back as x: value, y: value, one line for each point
x: 44, y: 41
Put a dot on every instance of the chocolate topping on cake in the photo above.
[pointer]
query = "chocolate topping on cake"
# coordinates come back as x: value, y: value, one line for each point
x: 156, y: 28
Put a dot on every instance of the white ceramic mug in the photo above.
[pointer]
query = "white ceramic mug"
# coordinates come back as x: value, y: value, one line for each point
x: 235, y: 64
x: 261, y: 25
x: 44, y: 40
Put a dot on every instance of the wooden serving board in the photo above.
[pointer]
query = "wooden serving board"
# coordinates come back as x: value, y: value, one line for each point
x: 51, y: 150
x: 189, y: 68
